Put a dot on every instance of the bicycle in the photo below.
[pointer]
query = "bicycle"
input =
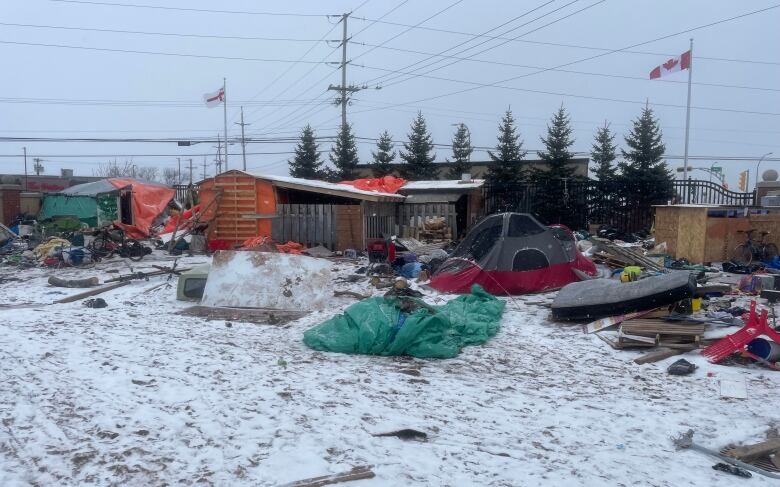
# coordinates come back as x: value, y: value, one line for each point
x: 109, y: 241
x: 744, y: 253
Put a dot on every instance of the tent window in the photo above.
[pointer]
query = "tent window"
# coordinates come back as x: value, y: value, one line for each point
x: 529, y: 260
x: 484, y: 239
x: 523, y: 226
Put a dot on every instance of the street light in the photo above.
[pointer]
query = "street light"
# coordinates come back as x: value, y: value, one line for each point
x: 759, y: 165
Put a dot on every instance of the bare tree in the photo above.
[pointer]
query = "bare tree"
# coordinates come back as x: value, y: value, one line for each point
x: 127, y: 169
x: 170, y: 176
x: 147, y: 173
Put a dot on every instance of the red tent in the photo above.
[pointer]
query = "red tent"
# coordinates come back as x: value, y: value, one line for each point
x: 512, y: 253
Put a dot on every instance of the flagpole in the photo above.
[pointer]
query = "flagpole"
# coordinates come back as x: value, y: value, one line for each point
x: 688, y: 116
x: 224, y: 106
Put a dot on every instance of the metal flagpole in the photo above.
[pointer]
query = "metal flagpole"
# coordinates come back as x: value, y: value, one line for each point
x: 224, y: 106
x: 688, y: 116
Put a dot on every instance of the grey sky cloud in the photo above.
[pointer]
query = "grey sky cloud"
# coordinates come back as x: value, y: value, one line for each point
x: 95, y: 70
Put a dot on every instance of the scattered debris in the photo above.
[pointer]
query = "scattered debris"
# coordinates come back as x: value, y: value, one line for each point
x: 732, y: 469
x: 95, y: 303
x: 681, y: 367
x: 685, y: 441
x: 406, y: 434
x: 357, y: 473
x: 87, y: 282
x: 93, y: 292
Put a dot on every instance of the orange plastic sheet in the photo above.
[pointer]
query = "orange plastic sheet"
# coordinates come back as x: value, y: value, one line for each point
x: 260, y: 242
x: 148, y: 201
x: 386, y: 184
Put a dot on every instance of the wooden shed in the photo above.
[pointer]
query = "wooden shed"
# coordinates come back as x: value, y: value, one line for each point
x: 702, y: 233
x: 459, y: 202
x: 284, y: 208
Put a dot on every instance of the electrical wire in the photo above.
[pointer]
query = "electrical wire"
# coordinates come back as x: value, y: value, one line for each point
x: 496, y: 83
x: 165, y: 34
x: 155, y: 53
x: 572, y: 46
x: 189, y: 9
x: 604, y: 75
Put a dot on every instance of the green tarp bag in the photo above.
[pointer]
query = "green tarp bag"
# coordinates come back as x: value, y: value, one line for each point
x: 375, y: 326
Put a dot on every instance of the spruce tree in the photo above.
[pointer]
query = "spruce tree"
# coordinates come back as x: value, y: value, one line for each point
x: 384, y: 155
x: 605, y: 189
x: 553, y: 201
x: 557, y: 155
x: 461, y: 152
x: 645, y: 179
x: 306, y: 163
x: 344, y: 155
x: 603, y: 154
x: 417, y: 154
x: 506, y: 166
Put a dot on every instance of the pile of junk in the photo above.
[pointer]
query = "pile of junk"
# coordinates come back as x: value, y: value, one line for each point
x: 646, y: 300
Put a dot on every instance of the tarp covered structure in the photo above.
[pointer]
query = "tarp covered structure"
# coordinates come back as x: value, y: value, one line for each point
x: 512, y: 253
x: 385, y: 184
x: 97, y: 203
x: 381, y: 326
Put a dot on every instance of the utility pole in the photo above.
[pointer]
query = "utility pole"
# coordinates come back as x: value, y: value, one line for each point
x: 218, y: 160
x: 37, y: 167
x: 190, y: 172
x: 178, y: 176
x: 26, y: 186
x: 204, y: 167
x: 243, y: 140
x: 224, y: 114
x: 343, y: 98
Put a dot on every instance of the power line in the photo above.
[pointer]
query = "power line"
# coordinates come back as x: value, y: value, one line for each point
x: 188, y: 9
x: 392, y: 79
x: 166, y: 34
x: 558, y: 44
x: 155, y: 53
x: 143, y: 103
x: 496, y: 83
x: 477, y: 85
x: 605, y: 75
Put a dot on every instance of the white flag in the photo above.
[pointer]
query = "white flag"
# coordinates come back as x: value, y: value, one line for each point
x: 214, y: 99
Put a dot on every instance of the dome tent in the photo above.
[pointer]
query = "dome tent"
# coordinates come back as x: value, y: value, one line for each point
x: 512, y: 253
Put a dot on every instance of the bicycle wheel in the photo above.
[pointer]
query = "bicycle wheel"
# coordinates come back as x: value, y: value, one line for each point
x: 134, y: 249
x: 768, y: 251
x: 102, y: 247
x: 742, y: 254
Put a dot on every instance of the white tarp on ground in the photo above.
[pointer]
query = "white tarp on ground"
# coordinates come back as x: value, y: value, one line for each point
x: 246, y: 279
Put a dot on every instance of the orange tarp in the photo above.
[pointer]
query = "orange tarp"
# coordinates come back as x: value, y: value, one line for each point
x: 386, y: 184
x: 148, y: 201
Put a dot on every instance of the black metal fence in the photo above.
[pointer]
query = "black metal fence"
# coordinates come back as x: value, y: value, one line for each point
x: 581, y: 202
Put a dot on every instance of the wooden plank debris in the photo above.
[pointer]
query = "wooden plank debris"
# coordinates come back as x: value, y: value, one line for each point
x: 657, y: 355
x: 92, y: 292
x: 357, y: 473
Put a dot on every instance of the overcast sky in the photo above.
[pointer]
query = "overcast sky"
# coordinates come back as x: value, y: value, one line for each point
x: 160, y: 96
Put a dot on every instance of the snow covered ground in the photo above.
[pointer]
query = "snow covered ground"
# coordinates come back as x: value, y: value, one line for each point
x: 136, y: 395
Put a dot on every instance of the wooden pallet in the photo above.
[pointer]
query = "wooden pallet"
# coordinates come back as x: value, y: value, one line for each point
x: 648, y: 332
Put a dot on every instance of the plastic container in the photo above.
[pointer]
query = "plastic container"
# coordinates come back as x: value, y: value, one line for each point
x: 766, y: 349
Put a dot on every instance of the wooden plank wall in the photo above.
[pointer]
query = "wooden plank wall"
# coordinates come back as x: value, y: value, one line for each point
x: 238, y: 197
x: 411, y: 216
x: 349, y: 227
x: 310, y: 225
x: 379, y: 219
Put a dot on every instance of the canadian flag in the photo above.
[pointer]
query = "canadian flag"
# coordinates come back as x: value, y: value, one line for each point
x: 214, y: 99
x: 683, y: 61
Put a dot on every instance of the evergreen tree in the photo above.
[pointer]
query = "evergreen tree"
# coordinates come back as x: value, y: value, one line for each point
x: 343, y: 155
x: 461, y: 152
x: 306, y: 163
x: 606, y: 189
x: 553, y: 203
x: 645, y: 179
x: 417, y: 154
x: 604, y: 153
x: 506, y: 166
x: 384, y: 156
x: 557, y: 155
